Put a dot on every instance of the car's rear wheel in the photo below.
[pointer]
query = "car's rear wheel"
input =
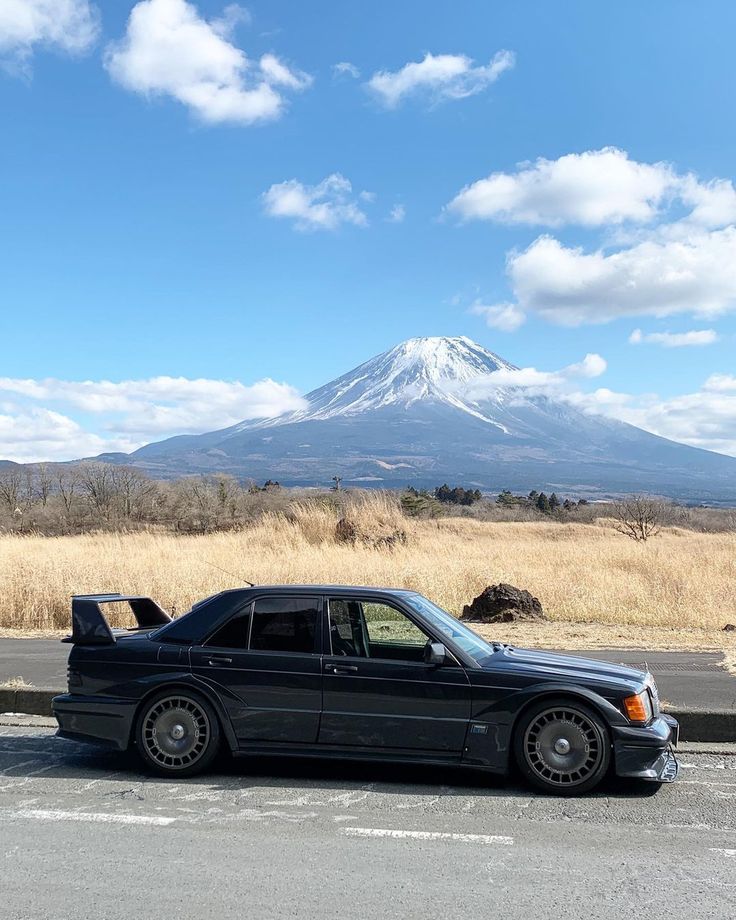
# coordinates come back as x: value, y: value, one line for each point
x: 562, y: 747
x: 177, y: 733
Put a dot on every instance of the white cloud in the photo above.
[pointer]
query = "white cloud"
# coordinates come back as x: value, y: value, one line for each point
x: 130, y: 412
x: 720, y: 383
x: 345, y: 69
x: 504, y: 316
x: 534, y: 381
x: 674, y: 339
x: 591, y: 188
x: 32, y: 434
x: 324, y: 206
x: 439, y: 77
x: 704, y: 419
x: 673, y: 250
x: 170, y: 50
x: 397, y: 214
x: 595, y: 188
x: 569, y: 286
x: 71, y: 26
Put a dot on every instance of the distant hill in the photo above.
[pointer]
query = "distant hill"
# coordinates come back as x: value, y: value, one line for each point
x: 415, y: 415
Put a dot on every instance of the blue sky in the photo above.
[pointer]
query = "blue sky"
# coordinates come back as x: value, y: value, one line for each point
x: 196, y: 192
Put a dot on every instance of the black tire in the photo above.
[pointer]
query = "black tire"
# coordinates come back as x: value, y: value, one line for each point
x: 177, y: 733
x: 562, y: 746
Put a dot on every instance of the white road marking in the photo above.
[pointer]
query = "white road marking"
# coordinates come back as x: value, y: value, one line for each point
x: 424, y: 835
x: 722, y: 851
x: 18, y: 766
x: 43, y: 814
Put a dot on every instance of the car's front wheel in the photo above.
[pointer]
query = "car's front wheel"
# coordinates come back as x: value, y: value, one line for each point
x: 177, y: 733
x: 562, y: 747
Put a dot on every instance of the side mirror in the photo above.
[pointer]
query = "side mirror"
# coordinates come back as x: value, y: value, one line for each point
x: 435, y: 654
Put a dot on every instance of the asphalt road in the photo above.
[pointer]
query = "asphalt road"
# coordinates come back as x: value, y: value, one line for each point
x: 83, y: 834
x: 687, y: 679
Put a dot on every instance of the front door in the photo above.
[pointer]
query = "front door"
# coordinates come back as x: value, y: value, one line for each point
x: 265, y: 665
x: 379, y: 692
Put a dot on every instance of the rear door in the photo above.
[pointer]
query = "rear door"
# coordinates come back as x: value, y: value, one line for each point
x: 378, y: 691
x: 265, y: 663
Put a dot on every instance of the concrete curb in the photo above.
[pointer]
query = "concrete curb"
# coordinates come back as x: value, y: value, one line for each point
x: 695, y: 724
x: 29, y: 702
x: 705, y: 724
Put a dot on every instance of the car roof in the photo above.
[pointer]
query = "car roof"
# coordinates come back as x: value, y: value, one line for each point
x: 321, y: 589
x: 207, y: 611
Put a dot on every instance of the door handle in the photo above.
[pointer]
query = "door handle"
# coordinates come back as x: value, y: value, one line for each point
x: 219, y: 659
x: 340, y: 668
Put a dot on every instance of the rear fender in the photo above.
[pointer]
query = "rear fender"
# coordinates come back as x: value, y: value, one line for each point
x: 187, y: 681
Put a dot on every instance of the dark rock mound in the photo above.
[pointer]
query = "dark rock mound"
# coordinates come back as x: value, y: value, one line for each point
x: 729, y: 627
x: 503, y: 604
x: 346, y: 531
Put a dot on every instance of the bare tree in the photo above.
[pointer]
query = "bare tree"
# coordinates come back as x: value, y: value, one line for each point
x: 67, y: 485
x: 97, y: 484
x: 638, y: 517
x: 43, y: 483
x: 11, y: 483
x: 133, y: 490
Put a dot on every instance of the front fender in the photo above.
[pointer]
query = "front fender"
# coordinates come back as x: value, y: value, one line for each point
x: 491, y: 731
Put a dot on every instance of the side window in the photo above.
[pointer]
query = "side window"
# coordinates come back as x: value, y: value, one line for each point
x: 388, y: 626
x: 284, y: 624
x: 234, y: 633
x: 363, y: 629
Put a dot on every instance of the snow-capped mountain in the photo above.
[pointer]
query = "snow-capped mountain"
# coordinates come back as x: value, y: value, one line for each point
x: 444, y: 409
x: 440, y: 370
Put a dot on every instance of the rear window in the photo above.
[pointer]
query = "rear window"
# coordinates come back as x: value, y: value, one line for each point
x: 234, y: 634
x: 285, y: 624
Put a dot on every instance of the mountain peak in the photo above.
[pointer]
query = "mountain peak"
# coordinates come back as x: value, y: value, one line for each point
x: 419, y: 413
x: 428, y: 369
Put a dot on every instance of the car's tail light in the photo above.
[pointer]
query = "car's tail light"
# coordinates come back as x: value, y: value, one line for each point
x: 638, y: 707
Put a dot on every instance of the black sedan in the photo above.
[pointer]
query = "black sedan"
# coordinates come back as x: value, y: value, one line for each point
x: 348, y: 672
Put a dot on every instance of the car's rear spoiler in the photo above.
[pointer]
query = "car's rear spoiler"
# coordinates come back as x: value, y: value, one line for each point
x: 89, y: 626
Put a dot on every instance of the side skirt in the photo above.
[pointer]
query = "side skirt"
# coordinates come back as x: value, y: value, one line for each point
x: 334, y: 752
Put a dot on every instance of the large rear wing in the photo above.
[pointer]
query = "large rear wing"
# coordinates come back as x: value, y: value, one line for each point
x: 89, y: 626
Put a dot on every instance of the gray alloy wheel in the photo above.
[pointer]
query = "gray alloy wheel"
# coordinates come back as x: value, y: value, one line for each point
x: 562, y: 747
x: 177, y: 733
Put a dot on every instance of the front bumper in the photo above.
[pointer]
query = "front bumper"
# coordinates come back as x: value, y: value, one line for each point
x: 646, y: 752
x: 99, y: 720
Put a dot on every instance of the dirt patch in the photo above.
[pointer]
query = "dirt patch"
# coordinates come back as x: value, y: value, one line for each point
x: 6, y: 633
x: 729, y: 661
x: 562, y: 635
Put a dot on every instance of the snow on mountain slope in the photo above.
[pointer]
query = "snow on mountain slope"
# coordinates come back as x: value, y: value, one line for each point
x: 432, y: 369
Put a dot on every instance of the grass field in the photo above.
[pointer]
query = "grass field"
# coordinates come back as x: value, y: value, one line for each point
x: 678, y: 581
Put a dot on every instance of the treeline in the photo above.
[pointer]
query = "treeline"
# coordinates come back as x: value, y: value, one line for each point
x: 66, y: 499
x: 547, y: 504
x: 59, y: 499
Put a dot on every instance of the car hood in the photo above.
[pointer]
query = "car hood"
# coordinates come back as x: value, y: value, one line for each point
x: 551, y: 665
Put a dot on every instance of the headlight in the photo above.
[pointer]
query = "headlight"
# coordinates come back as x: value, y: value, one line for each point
x: 638, y: 707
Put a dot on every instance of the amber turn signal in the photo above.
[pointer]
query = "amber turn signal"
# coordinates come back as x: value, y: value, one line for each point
x: 638, y: 708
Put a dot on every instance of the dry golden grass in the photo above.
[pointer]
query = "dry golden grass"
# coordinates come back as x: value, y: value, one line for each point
x: 16, y: 683
x: 582, y: 573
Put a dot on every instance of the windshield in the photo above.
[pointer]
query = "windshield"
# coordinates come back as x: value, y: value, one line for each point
x: 446, y: 623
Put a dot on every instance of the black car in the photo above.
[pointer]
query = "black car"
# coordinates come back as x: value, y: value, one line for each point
x: 348, y: 672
